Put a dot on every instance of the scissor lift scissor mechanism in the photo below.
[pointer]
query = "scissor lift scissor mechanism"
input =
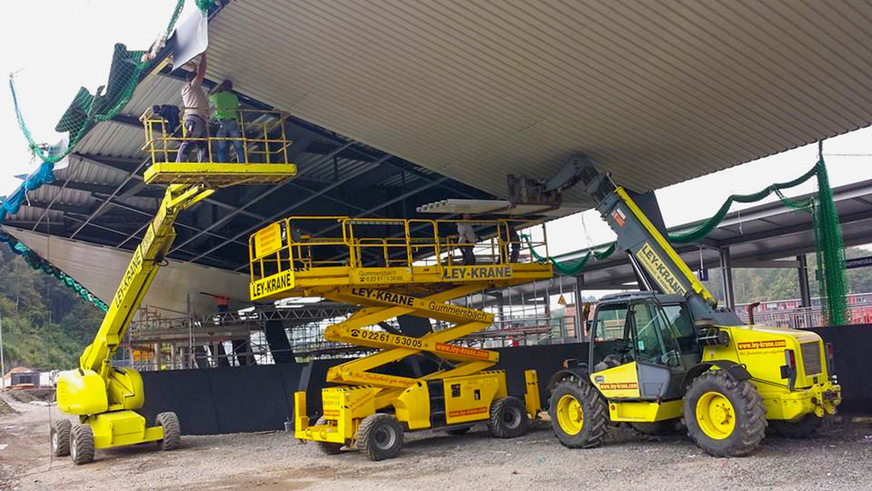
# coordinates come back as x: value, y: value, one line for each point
x: 413, y: 271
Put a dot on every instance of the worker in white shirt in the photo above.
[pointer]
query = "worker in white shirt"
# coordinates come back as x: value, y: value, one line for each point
x: 196, y: 113
x: 467, y: 240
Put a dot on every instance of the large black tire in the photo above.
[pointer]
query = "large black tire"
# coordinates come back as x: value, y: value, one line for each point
x: 328, y: 448
x: 804, y: 428
x: 60, y: 437
x: 81, y: 444
x: 579, y: 415
x: 508, y: 418
x: 172, y: 431
x: 725, y: 417
x: 657, y: 428
x: 380, y: 436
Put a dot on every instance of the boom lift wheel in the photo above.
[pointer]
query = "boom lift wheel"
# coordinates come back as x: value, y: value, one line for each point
x: 578, y: 414
x: 329, y: 448
x: 60, y: 437
x: 508, y: 418
x: 804, y: 428
x: 172, y: 432
x: 82, y: 444
x: 725, y: 417
x: 380, y: 436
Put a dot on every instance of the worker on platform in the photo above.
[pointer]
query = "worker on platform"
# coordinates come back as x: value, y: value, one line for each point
x: 196, y: 113
x: 467, y: 240
x: 225, y: 107
x: 511, y: 242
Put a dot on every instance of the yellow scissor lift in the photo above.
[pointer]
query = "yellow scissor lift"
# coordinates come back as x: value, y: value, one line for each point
x: 394, y: 268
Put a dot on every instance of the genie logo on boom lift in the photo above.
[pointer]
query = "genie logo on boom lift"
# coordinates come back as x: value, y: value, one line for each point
x: 658, y: 269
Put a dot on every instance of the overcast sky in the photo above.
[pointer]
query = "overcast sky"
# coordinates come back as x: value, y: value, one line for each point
x: 56, y: 46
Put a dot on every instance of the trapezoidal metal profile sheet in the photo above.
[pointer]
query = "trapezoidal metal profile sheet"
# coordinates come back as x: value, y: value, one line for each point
x: 657, y: 92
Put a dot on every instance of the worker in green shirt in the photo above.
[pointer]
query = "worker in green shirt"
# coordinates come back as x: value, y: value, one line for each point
x: 224, y: 111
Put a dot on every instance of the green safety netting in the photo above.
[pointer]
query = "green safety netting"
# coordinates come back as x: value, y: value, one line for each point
x: 829, y: 249
x: 85, y: 111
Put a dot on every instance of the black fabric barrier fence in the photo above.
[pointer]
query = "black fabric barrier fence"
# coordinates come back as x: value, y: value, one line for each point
x: 261, y: 398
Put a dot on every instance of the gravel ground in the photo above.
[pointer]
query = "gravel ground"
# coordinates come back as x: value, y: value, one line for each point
x: 840, y: 458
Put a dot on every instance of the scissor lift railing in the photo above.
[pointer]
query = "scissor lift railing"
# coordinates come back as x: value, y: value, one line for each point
x: 265, y: 158
x: 287, y: 259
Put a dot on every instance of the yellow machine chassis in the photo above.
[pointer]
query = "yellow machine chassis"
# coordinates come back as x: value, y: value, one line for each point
x: 419, y: 276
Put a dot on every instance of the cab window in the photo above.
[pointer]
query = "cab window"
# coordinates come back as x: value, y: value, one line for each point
x: 679, y: 318
x: 610, y: 322
x: 654, y: 338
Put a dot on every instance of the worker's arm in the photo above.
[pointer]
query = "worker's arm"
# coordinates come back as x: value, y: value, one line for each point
x: 201, y: 69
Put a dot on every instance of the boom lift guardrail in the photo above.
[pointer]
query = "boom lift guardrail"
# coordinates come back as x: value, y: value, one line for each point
x: 105, y: 397
x: 416, y: 274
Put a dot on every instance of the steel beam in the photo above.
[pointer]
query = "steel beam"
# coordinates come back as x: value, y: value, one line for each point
x: 265, y: 194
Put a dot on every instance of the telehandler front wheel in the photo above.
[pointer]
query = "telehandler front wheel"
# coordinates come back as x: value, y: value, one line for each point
x: 725, y: 417
x: 804, y: 428
x: 60, y: 437
x: 380, y: 436
x: 579, y: 414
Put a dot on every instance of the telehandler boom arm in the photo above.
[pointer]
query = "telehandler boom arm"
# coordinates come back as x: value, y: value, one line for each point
x: 657, y: 264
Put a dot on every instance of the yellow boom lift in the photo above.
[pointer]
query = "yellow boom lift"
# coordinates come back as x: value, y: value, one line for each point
x: 412, y: 272
x: 670, y: 352
x: 104, y: 397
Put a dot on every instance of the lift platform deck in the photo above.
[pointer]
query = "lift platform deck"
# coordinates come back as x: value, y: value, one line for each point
x: 312, y: 256
x: 263, y: 158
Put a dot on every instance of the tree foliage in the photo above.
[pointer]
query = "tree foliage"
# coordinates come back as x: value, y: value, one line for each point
x: 45, y: 325
x: 766, y: 284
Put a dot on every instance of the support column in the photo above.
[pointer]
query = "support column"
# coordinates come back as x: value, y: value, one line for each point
x: 804, y: 287
x: 579, y: 304
x: 727, y: 275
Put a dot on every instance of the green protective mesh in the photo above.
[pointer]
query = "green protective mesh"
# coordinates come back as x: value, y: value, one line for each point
x: 571, y: 267
x: 83, y: 113
x: 88, y: 109
x: 829, y: 249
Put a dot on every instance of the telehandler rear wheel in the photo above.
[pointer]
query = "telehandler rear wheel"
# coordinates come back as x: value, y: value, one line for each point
x: 60, y: 437
x: 508, y: 418
x: 579, y: 414
x: 82, y: 444
x: 804, y: 428
x: 380, y: 436
x: 725, y: 417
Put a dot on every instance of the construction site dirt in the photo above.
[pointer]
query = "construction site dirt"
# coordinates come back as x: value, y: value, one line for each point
x: 838, y: 458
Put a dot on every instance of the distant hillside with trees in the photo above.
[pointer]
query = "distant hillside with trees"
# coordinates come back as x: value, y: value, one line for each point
x: 45, y: 325
x: 765, y: 284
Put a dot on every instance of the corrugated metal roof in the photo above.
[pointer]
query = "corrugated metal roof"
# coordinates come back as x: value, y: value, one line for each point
x: 657, y: 92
